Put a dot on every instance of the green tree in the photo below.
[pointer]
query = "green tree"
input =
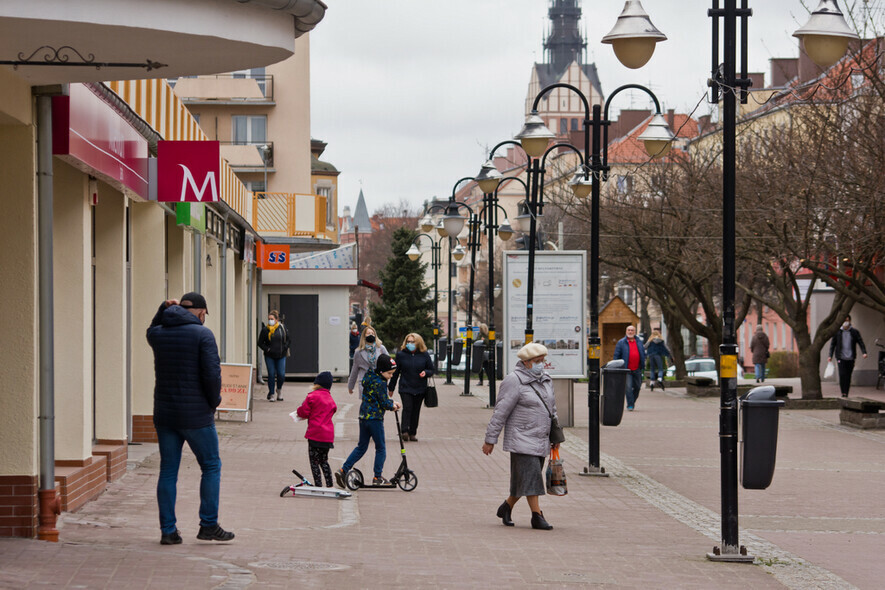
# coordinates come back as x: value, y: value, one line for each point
x: 405, y: 306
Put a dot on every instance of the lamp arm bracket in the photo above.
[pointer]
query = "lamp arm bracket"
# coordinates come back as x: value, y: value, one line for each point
x: 627, y: 87
x: 547, y: 89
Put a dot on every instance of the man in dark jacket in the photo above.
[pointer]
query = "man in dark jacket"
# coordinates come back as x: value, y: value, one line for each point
x: 844, y: 349
x: 632, y: 352
x: 186, y: 393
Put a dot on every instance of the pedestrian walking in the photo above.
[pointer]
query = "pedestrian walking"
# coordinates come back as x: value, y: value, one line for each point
x: 657, y: 351
x: 186, y: 392
x: 354, y: 340
x: 843, y: 348
x: 375, y: 401
x: 413, y: 367
x: 368, y: 351
x: 632, y: 352
x: 274, y: 341
x: 523, y: 410
x: 318, y: 408
x: 759, y: 346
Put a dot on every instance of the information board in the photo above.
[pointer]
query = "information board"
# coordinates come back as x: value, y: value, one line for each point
x: 236, y: 392
x: 559, y: 319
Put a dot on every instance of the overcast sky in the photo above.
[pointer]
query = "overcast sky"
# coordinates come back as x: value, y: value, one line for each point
x: 411, y: 94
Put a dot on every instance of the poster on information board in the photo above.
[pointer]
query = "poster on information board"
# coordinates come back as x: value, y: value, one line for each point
x: 236, y: 392
x: 559, y: 317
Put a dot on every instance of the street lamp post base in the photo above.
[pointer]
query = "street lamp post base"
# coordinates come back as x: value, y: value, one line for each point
x: 741, y: 557
x: 466, y: 394
x: 594, y: 471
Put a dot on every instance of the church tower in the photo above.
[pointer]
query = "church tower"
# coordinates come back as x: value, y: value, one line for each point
x: 564, y: 57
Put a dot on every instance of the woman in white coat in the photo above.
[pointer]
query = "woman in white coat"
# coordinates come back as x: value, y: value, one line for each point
x: 523, y: 410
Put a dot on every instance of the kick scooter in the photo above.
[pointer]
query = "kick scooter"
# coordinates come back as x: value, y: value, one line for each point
x: 305, y: 488
x: 404, y: 477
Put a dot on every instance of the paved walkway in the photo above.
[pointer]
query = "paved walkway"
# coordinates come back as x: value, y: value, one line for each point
x: 820, y: 525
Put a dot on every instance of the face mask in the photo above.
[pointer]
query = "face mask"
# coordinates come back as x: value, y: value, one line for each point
x: 271, y: 322
x: 354, y: 332
x: 537, y: 369
x: 370, y: 339
x: 410, y: 346
x: 845, y: 325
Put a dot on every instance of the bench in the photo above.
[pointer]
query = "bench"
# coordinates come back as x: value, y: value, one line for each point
x: 701, y: 386
x: 861, y: 412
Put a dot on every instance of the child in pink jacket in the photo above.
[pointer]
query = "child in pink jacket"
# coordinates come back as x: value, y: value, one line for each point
x: 318, y: 409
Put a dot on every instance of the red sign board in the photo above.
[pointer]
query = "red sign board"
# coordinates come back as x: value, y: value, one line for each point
x: 273, y: 256
x: 90, y: 134
x: 188, y: 171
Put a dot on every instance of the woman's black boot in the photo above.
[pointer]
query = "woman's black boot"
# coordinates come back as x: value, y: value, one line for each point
x: 538, y: 522
x: 504, y: 514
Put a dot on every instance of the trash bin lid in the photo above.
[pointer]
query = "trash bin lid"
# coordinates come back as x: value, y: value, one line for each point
x: 761, y: 396
x: 615, y: 364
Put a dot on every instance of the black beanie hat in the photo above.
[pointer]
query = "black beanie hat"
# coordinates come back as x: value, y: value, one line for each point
x: 384, y: 364
x: 324, y: 380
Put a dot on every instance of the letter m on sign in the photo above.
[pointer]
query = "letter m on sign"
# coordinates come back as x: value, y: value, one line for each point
x: 188, y: 171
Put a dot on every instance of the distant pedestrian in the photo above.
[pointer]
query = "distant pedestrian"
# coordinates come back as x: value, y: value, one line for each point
x: 274, y: 341
x: 354, y: 339
x: 657, y: 351
x: 318, y: 408
x: 523, y: 409
x: 632, y: 352
x: 413, y: 367
x: 759, y: 346
x: 371, y: 419
x: 483, y: 339
x: 844, y: 349
x: 368, y: 351
x: 187, y: 391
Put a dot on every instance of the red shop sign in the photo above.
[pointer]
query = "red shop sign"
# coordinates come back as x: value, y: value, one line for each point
x: 93, y: 136
x: 188, y: 171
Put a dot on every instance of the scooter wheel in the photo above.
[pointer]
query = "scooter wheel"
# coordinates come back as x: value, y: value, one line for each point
x: 408, y: 481
x: 354, y: 479
x: 285, y: 491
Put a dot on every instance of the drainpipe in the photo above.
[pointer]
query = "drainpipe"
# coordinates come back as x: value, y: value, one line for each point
x: 198, y: 259
x: 223, y: 330
x: 47, y: 497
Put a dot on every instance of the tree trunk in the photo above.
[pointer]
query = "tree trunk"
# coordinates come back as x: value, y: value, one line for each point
x: 809, y: 372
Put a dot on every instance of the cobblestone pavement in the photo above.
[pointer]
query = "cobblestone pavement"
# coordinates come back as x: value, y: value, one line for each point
x: 821, y: 524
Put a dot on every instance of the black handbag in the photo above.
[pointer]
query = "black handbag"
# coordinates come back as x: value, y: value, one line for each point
x: 431, y: 400
x: 557, y: 436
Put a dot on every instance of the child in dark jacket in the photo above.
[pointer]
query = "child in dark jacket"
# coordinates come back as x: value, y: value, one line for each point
x: 375, y: 402
x: 318, y: 409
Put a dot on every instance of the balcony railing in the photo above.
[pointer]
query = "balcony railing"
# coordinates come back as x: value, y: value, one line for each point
x: 290, y: 215
x: 242, y: 154
x: 224, y: 88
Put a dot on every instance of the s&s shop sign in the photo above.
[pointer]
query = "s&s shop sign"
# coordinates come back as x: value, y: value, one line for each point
x: 273, y: 256
x: 188, y: 171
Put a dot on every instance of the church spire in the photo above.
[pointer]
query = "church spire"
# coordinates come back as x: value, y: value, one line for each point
x: 565, y: 43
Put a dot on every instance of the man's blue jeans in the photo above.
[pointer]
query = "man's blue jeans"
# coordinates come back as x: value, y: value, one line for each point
x: 276, y: 373
x: 204, y: 444
x: 373, y: 429
x: 634, y: 382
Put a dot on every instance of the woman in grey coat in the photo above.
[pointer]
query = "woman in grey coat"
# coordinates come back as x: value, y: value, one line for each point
x: 523, y: 410
x: 364, y: 358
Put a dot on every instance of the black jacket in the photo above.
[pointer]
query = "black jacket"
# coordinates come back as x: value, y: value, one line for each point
x: 836, y: 344
x: 277, y: 346
x: 187, y: 369
x: 408, y: 366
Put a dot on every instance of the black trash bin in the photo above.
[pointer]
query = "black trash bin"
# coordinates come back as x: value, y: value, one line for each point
x: 457, y: 348
x: 759, y: 415
x: 499, y: 359
x: 614, y: 392
x: 477, y: 357
x: 441, y: 349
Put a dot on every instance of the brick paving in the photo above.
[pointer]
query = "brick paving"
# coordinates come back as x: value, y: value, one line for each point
x: 821, y: 524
